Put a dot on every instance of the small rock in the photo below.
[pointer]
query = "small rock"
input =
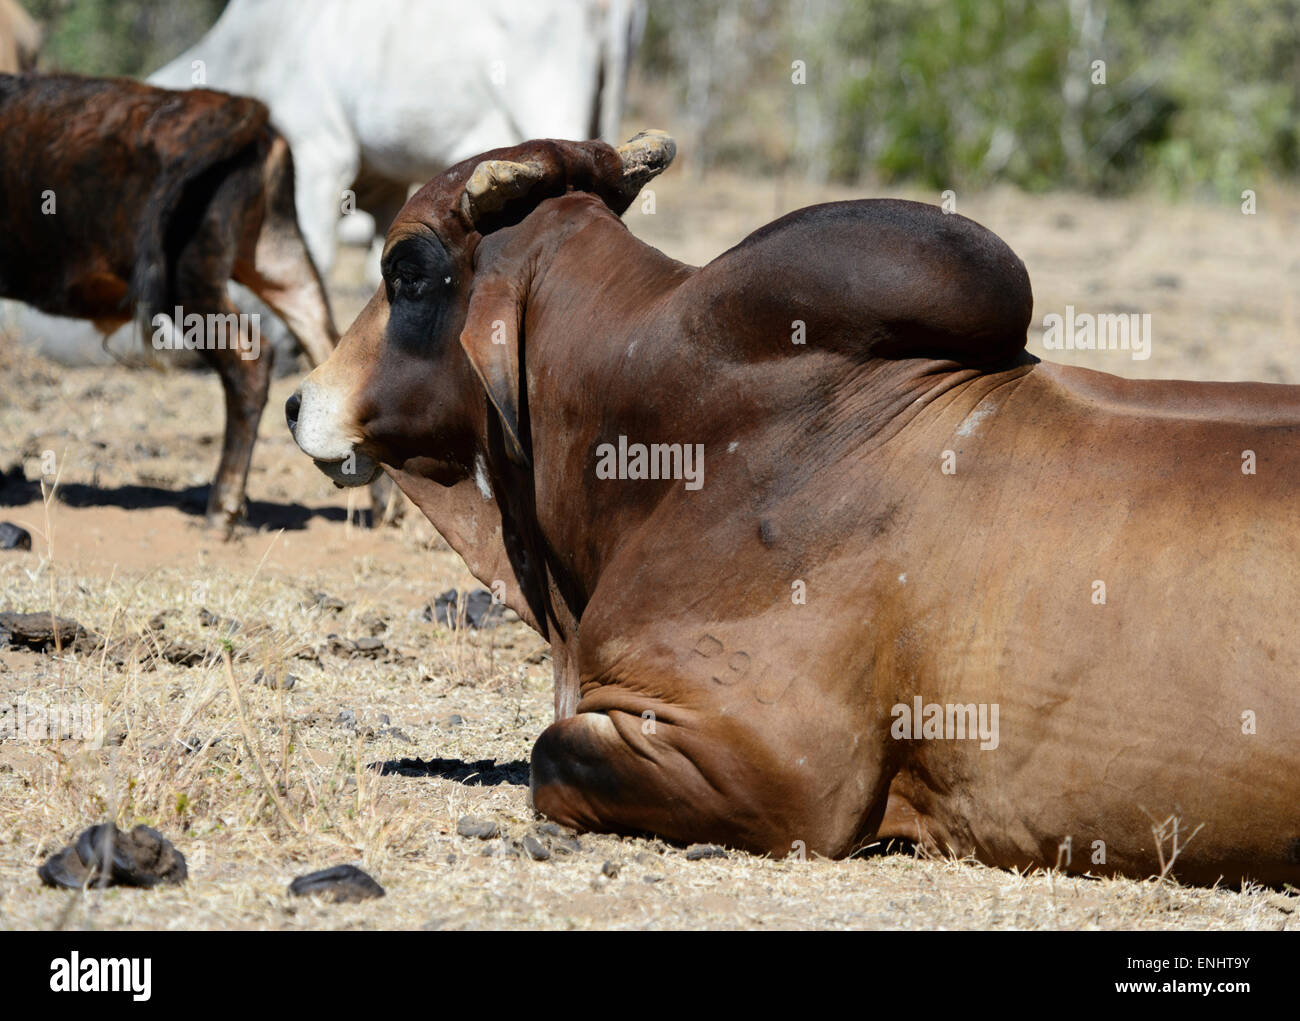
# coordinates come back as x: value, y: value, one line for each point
x: 341, y: 646
x: 535, y: 849
x: 453, y: 721
x: 696, y: 852
x: 477, y: 608
x: 566, y: 845
x: 374, y: 623
x: 473, y: 826
x: 610, y: 870
x: 228, y: 625
x: 343, y: 884
x: 13, y: 537
x: 369, y: 647
x: 347, y: 718
x: 285, y: 682
x: 321, y: 601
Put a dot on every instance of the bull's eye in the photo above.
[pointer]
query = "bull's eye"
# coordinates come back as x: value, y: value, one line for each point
x: 419, y: 280
x: 407, y: 285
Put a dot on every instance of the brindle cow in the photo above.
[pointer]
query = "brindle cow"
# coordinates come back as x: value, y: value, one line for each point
x: 930, y: 587
x: 126, y: 200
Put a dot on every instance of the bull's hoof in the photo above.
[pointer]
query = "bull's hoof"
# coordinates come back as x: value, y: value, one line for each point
x: 223, y: 525
x: 224, y: 522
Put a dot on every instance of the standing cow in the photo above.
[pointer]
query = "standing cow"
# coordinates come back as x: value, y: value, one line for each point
x: 378, y: 95
x: 126, y: 201
x: 817, y: 544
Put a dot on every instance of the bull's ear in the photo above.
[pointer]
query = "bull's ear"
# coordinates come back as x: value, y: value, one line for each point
x: 491, y: 340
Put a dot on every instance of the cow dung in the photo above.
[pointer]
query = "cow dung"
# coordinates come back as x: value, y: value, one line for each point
x: 343, y: 884
x: 40, y: 632
x: 104, y: 855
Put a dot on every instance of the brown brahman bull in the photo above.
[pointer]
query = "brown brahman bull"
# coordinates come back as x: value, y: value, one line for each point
x: 824, y: 556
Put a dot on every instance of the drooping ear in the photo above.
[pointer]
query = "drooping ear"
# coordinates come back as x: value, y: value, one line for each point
x: 491, y: 340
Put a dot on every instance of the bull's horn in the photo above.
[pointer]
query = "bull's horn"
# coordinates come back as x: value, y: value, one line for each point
x: 494, y: 183
x: 644, y: 156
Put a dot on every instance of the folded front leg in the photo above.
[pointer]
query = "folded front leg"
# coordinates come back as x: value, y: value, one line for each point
x: 669, y: 775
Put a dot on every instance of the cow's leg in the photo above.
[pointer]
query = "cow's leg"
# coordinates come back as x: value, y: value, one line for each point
x: 245, y: 380
x: 281, y: 271
x: 624, y: 772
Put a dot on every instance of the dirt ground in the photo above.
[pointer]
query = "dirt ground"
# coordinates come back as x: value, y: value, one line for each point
x: 395, y: 727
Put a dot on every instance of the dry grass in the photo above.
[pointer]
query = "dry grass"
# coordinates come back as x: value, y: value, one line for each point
x: 258, y: 784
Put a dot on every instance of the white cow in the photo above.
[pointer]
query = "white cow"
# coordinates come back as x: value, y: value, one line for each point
x: 384, y: 94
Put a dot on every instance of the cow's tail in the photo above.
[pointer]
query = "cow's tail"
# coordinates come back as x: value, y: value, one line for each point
x: 196, y: 146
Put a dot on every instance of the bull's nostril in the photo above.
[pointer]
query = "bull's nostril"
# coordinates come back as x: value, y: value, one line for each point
x: 291, y: 407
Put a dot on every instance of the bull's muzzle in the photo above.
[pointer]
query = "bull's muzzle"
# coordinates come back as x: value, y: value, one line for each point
x: 313, y: 414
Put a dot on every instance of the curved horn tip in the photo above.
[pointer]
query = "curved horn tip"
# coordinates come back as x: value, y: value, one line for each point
x: 645, y: 155
x: 504, y: 175
x: 651, y: 139
x: 493, y: 183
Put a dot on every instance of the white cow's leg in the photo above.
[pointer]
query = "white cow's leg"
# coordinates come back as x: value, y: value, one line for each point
x: 324, y: 170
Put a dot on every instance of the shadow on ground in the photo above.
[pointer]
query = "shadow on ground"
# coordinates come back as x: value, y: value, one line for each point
x: 480, y: 773
x: 16, y: 491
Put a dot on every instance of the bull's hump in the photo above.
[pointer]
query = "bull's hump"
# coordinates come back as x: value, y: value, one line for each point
x: 892, y: 278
